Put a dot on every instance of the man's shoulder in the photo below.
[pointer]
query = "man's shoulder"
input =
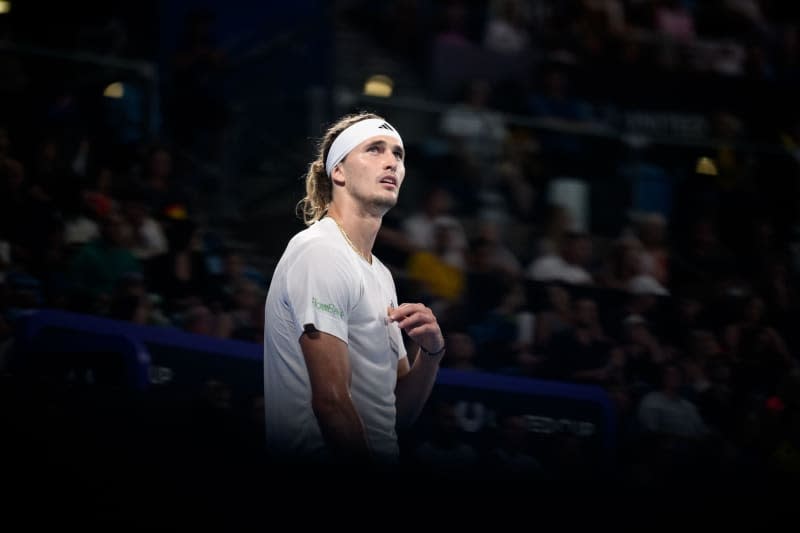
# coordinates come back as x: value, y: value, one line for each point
x: 317, y: 234
x: 316, y: 243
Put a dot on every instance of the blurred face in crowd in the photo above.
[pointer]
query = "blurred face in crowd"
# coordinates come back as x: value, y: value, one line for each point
x: 234, y: 265
x: 558, y: 297
x: 579, y: 249
x: 160, y: 163
x: 585, y: 312
x: 754, y: 309
x: 115, y: 229
x: 136, y: 213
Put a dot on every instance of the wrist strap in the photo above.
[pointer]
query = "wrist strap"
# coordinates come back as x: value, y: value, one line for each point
x: 440, y: 351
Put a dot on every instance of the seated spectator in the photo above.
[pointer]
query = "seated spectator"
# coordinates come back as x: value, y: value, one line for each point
x: 761, y: 353
x: 651, y: 231
x: 568, y: 264
x: 147, y: 236
x: 162, y: 194
x: 555, y: 317
x: 622, y: 262
x: 673, y: 439
x: 133, y: 303
x: 475, y: 131
x: 421, y: 227
x: 511, y: 456
x: 180, y: 275
x: 99, y: 265
x: 556, y: 225
x: 496, y: 332
x: 499, y: 256
x: 445, y: 452
x: 667, y: 411
x: 673, y: 19
x: 437, y: 279
x: 506, y: 31
x: 198, y: 319
x: 21, y: 213
x: 584, y: 353
x: 553, y: 104
x: 461, y: 352
x: 703, y: 258
x: 643, y: 354
x: 247, y: 315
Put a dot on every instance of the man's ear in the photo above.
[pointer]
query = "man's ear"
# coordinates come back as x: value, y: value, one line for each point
x: 338, y: 175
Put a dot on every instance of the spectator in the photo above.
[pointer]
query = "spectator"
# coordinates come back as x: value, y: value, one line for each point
x: 666, y: 411
x: 445, y: 452
x: 511, y: 457
x: 568, y: 264
x: 421, y: 227
x: 99, y: 265
x: 439, y: 277
x: 180, y: 275
x: 147, y: 236
x: 506, y: 27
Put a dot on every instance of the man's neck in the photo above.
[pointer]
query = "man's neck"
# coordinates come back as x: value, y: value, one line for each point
x: 361, y: 228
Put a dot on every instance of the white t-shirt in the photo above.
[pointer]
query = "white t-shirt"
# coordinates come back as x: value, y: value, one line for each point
x: 321, y: 280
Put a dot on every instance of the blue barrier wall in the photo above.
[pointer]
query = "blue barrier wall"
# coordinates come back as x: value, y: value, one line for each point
x: 151, y: 358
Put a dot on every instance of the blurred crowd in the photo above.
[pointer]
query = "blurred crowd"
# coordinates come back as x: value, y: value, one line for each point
x: 583, y: 219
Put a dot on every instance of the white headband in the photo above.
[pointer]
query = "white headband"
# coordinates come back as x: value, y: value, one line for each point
x: 354, y: 135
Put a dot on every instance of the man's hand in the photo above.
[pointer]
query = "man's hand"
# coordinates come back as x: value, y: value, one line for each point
x: 414, y: 383
x: 420, y: 324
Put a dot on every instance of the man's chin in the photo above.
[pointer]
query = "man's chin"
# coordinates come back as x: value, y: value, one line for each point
x: 385, y: 202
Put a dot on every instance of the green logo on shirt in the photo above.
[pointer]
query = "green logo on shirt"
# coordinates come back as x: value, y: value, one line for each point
x: 328, y: 308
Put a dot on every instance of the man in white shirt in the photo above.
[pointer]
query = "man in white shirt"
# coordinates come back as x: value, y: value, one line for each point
x: 337, y: 378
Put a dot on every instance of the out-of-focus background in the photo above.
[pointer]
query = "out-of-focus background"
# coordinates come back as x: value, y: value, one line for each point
x: 601, y: 205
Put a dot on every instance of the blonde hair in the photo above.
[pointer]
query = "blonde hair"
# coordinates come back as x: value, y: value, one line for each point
x: 319, y: 188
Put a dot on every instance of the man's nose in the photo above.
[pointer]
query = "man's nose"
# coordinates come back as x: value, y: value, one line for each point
x: 391, y: 162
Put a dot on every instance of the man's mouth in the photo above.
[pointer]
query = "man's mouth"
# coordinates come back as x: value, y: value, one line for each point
x: 391, y: 180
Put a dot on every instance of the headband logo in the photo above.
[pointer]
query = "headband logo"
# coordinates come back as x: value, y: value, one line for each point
x: 386, y: 126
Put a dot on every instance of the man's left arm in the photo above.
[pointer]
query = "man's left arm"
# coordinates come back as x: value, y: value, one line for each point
x: 415, y: 382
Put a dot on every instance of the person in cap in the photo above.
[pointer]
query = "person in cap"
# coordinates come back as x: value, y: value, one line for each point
x: 338, y: 380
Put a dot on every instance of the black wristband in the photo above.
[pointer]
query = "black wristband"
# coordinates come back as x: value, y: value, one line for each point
x: 436, y: 353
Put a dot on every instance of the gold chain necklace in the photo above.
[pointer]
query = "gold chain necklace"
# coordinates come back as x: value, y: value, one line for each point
x: 366, y: 258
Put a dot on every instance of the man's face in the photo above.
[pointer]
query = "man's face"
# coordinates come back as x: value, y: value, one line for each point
x: 373, y: 172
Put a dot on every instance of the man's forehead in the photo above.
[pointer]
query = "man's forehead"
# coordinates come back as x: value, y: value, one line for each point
x: 383, y: 139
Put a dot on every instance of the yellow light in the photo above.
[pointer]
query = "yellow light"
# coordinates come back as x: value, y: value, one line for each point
x: 706, y: 165
x: 115, y: 90
x: 379, y: 85
x: 5, y: 7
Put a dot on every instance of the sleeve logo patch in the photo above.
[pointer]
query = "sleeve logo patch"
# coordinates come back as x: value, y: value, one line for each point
x: 331, y: 309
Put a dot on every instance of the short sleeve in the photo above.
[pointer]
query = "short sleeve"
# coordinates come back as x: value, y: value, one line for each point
x: 322, y: 289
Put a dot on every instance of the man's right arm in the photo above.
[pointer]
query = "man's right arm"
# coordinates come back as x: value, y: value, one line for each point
x: 328, y: 366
